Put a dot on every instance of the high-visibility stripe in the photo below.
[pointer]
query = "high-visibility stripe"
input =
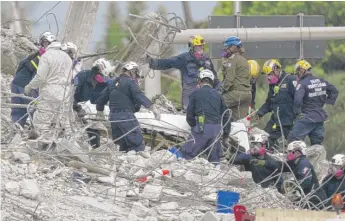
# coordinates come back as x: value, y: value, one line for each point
x: 39, y: 57
x: 34, y: 64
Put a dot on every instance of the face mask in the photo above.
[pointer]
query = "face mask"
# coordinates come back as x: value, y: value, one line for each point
x: 291, y: 156
x: 199, y: 55
x: 258, y: 151
x: 339, y: 173
x: 42, y: 51
x: 272, y: 79
x: 99, y: 78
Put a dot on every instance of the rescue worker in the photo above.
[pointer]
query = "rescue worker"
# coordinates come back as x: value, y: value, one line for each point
x: 305, y: 174
x: 254, y: 70
x: 312, y: 93
x: 72, y: 50
x: 53, y: 79
x: 280, y: 95
x: 26, y: 71
x: 89, y: 85
x: 190, y: 64
x: 125, y: 98
x: 334, y: 182
x: 236, y: 81
x: 260, y: 163
x: 204, y: 115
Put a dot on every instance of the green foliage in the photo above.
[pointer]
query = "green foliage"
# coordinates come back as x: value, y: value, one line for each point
x: 334, y: 16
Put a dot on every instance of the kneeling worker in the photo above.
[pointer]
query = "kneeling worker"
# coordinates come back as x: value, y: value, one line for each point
x: 204, y: 115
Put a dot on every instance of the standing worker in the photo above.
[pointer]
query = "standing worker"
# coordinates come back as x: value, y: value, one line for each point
x: 312, y: 93
x: 280, y: 95
x: 254, y: 70
x: 334, y: 182
x: 204, y: 115
x: 125, y: 98
x: 190, y: 64
x: 236, y: 81
x: 26, y: 71
x: 53, y: 79
x: 89, y: 85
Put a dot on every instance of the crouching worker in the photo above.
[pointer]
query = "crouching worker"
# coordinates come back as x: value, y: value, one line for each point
x: 88, y: 86
x: 307, y: 182
x: 204, y: 116
x: 125, y: 98
x: 265, y: 170
x: 334, y: 182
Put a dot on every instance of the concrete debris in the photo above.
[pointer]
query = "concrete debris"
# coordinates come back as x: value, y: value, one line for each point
x: 12, y: 187
x: 152, y: 192
x: 29, y: 189
x: 21, y: 157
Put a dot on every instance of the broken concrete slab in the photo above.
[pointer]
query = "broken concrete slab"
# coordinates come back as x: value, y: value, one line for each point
x: 210, y: 216
x: 29, y: 188
x: 152, y: 192
x: 21, y: 157
x: 12, y: 187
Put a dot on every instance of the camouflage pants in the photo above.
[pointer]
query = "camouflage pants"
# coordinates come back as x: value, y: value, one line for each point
x: 238, y: 102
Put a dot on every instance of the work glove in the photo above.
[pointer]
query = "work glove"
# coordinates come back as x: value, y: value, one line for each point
x: 258, y: 162
x: 300, y: 116
x: 28, y: 91
x: 156, y: 112
x: 100, y: 115
x: 257, y: 117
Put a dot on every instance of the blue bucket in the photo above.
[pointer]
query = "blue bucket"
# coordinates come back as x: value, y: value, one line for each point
x: 226, y: 200
x: 176, y: 152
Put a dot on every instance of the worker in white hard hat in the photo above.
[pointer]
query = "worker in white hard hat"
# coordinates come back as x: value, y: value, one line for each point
x: 88, y: 86
x: 53, y: 79
x: 125, y: 98
x: 25, y: 73
x: 204, y: 115
x: 334, y: 182
x: 305, y: 175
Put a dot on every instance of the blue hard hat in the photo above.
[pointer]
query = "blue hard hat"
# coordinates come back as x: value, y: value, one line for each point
x: 233, y: 40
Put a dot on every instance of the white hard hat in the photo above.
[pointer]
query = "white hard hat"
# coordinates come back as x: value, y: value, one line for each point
x: 105, y: 67
x: 47, y: 36
x: 70, y: 48
x: 258, y: 138
x: 206, y: 74
x: 338, y: 160
x: 297, y: 145
x: 132, y: 65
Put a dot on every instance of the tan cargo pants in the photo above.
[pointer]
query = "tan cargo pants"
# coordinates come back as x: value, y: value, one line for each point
x: 238, y: 102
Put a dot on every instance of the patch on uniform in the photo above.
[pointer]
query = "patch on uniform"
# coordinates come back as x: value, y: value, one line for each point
x: 298, y: 87
x: 229, y: 65
x: 294, y: 83
x: 283, y: 86
x: 305, y: 170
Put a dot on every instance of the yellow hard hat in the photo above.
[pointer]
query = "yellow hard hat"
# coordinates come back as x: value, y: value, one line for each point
x: 254, y: 68
x: 196, y: 40
x: 269, y: 65
x: 302, y: 64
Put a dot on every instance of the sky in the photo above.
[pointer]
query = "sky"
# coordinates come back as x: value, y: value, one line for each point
x: 200, y: 10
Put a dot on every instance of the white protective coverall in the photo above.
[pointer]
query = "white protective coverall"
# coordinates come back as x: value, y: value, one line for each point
x: 54, y: 81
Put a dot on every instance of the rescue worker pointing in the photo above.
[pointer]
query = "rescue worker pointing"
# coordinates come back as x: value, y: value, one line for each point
x: 204, y: 116
x: 25, y: 73
x: 125, y: 98
x: 312, y: 93
x: 190, y: 64
x: 236, y: 81
x: 280, y: 95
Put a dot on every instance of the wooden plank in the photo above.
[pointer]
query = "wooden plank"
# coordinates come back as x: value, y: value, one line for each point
x: 263, y: 214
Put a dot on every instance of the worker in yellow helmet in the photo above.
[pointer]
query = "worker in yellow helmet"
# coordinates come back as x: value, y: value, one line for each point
x: 312, y: 93
x: 254, y: 70
x: 190, y: 64
x: 279, y: 101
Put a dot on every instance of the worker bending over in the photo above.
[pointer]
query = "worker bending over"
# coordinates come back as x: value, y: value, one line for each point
x: 204, y: 115
x: 125, y: 98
